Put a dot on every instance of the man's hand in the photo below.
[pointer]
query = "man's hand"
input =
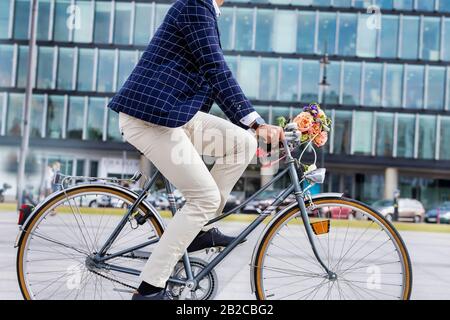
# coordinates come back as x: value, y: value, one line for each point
x: 271, y: 134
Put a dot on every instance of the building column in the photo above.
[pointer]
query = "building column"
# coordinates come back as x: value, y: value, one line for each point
x: 390, y: 182
x: 145, y: 166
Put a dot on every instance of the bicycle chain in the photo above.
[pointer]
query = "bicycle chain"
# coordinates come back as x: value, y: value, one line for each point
x: 118, y: 281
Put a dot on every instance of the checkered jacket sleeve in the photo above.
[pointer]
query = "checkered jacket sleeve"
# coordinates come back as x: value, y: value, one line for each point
x: 198, y: 26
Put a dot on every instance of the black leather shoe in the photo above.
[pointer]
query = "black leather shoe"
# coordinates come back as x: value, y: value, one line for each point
x: 162, y: 295
x: 209, y: 239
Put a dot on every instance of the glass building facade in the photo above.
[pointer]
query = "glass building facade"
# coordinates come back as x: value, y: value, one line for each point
x: 388, y: 93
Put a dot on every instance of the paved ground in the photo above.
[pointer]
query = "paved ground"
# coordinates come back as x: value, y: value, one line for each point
x: 429, y: 253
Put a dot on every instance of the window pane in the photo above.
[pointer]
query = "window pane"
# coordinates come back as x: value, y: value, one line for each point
x: 75, y: 118
x: 334, y: 80
x: 14, y: 114
x: 122, y: 23
x: 21, y: 19
x: 37, y: 112
x: 403, y: 4
x: 385, y: 134
x: 83, y: 31
x: 65, y: 68
x: 446, y: 42
x: 113, y: 126
x: 22, y: 67
x: 385, y: 4
x: 4, y: 19
x: 372, y: 88
x: 414, y: 87
x: 6, y: 62
x: 310, y: 80
x: 279, y: 112
x: 127, y: 61
x: 264, y: 30
x: 327, y: 33
x: 161, y: 11
x: 102, y: 21
x: 393, y: 86
x: 427, y: 136
x: 427, y: 5
x: 60, y: 30
x: 389, y: 37
x: 436, y: 88
x: 405, y: 135
x: 142, y: 23
x: 431, y: 38
x: 306, y: 27
x: 410, y: 37
x: 249, y: 75
x: 225, y: 23
x: 244, y: 29
x: 105, y: 74
x: 232, y: 64
x: 362, y: 3
x: 55, y: 114
x: 285, y: 21
x: 342, y: 3
x: 352, y: 84
x: 269, y: 80
x: 289, y: 80
x: 45, y: 68
x: 85, y: 67
x: 347, y: 34
x: 367, y: 38
x: 444, y: 5
x: 445, y: 136
x: 43, y: 19
x: 363, y: 133
x: 96, y: 111
x: 342, y: 132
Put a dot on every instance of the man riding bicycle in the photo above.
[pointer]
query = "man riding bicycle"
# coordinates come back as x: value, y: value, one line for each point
x: 163, y: 111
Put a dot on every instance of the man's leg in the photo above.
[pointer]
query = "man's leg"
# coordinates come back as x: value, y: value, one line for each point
x: 232, y: 147
x: 173, y: 154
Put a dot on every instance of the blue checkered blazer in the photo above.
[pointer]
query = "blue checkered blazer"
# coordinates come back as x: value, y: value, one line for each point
x: 182, y: 71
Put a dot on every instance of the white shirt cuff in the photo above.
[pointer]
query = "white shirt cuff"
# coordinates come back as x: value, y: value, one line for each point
x: 250, y: 118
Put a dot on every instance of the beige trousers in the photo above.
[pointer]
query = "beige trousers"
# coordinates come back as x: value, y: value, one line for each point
x: 176, y: 152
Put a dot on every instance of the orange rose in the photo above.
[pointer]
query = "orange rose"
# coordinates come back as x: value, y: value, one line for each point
x: 304, y: 121
x: 321, y: 139
x: 315, y: 129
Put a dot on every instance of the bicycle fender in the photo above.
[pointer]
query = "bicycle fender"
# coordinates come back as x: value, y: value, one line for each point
x: 132, y: 194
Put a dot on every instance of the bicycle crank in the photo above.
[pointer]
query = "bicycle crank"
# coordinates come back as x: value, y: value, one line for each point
x: 205, y: 289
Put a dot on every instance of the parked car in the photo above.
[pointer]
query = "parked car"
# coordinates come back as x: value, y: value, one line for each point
x: 337, y: 213
x: 107, y: 202
x: 408, y: 209
x: 3, y: 190
x: 265, y: 199
x: 233, y: 201
x: 441, y: 212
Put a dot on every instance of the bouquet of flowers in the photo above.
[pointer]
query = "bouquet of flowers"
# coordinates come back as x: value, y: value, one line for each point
x: 312, y: 123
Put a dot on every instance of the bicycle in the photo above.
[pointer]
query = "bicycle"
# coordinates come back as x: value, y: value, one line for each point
x: 67, y: 250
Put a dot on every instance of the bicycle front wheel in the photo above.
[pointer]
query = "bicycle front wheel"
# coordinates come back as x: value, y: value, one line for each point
x: 362, y: 249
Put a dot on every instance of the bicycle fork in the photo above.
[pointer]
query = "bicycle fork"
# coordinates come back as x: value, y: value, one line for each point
x: 298, y: 192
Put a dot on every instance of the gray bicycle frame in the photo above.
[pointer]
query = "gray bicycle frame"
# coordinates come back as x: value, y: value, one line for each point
x: 294, y: 187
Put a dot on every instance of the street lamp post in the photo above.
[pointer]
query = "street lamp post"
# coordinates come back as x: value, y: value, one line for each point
x: 323, y: 84
x: 28, y: 98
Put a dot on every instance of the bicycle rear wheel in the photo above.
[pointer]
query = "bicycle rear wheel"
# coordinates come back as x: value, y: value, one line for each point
x: 55, y: 252
x: 365, y: 252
